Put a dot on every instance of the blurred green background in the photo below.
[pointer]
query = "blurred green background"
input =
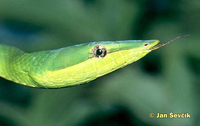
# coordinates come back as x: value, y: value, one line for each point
x: 165, y: 80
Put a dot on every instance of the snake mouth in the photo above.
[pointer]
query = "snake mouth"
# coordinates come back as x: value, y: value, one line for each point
x: 164, y: 44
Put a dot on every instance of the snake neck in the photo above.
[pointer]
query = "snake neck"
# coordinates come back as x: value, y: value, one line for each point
x: 7, y: 54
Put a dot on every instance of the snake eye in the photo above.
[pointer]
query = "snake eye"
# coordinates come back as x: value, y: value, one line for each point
x: 99, y: 51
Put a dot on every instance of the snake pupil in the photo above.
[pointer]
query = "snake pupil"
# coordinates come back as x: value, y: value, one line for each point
x: 99, y: 52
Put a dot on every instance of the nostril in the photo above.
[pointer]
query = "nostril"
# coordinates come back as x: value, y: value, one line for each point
x: 146, y: 44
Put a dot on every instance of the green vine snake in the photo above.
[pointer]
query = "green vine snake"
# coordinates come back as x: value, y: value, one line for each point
x: 72, y: 65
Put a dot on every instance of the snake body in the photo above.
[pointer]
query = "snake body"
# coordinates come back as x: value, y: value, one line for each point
x: 72, y: 65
